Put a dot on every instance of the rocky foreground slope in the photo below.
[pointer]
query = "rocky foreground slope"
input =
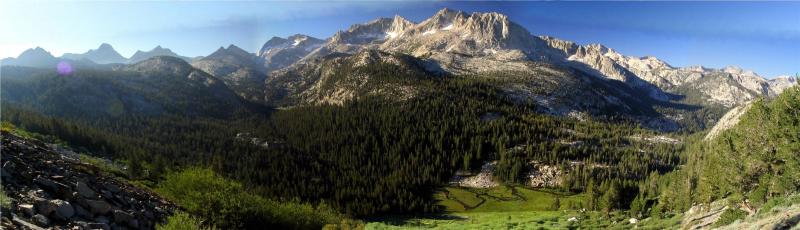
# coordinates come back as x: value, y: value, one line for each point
x: 50, y: 188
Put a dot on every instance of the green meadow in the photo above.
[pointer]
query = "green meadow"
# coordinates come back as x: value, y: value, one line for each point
x: 513, y: 207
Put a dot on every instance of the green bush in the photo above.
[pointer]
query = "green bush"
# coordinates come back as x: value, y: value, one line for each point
x: 183, y: 221
x: 228, y: 205
x: 5, y: 201
x: 729, y: 216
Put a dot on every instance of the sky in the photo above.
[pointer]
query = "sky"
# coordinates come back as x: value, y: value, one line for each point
x: 759, y: 36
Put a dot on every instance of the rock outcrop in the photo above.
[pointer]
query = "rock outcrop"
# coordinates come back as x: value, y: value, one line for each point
x: 727, y: 121
x: 50, y: 188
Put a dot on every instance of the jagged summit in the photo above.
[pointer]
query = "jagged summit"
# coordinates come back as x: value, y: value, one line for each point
x: 34, y: 57
x: 104, y: 54
x: 398, y: 27
x: 231, y: 50
x: 35, y: 52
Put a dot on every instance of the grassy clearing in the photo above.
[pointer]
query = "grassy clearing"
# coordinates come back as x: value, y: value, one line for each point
x: 508, y: 207
x: 525, y: 220
x: 506, y: 199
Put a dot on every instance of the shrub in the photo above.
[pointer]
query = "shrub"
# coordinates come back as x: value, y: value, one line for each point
x: 183, y: 221
x: 228, y: 205
x: 729, y: 216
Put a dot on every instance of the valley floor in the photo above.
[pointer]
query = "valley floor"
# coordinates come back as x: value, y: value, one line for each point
x: 512, y: 207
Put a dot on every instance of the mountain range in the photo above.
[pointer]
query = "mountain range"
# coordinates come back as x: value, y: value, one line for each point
x: 557, y: 76
x: 104, y: 54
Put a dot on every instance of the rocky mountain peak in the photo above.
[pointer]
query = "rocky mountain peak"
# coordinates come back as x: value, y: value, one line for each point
x: 235, y: 49
x: 37, y: 57
x: 272, y: 43
x: 443, y: 18
x: 696, y: 68
x: 295, y: 41
x: 157, y: 51
x: 104, y: 54
x: 281, y: 52
x: 232, y: 51
x: 37, y: 52
x: 399, y: 26
x: 364, y: 33
x: 476, y: 34
x: 105, y: 46
x: 738, y: 70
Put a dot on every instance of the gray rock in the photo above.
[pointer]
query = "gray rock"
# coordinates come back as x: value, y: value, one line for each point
x: 111, y: 187
x: 84, y: 190
x: 98, y: 206
x: 41, y: 220
x: 27, y: 209
x: 63, y: 209
x: 122, y: 216
x: 82, y: 212
x: 107, y: 194
x: 9, y: 166
x: 47, y: 184
x: 44, y: 207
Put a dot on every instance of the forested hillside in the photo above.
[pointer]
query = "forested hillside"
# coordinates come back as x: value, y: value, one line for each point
x: 751, y: 166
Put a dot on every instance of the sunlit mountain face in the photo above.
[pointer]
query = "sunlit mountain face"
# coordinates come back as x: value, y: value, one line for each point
x: 399, y: 115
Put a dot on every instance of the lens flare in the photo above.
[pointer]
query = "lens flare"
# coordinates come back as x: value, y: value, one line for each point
x: 64, y: 68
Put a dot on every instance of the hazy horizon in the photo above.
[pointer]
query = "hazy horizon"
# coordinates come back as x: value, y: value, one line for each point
x: 761, y: 37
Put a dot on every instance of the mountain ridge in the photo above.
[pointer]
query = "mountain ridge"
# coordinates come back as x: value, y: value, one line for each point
x: 104, y: 54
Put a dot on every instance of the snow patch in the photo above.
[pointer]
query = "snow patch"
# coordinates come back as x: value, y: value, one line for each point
x: 298, y: 41
x: 429, y: 32
x: 392, y: 34
x: 448, y: 27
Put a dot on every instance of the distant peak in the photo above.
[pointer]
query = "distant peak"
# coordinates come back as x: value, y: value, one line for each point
x: 600, y: 48
x: 234, y: 48
x: 297, y: 36
x: 105, y: 46
x: 444, y: 11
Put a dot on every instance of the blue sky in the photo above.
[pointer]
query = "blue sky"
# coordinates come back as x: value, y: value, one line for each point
x: 760, y: 36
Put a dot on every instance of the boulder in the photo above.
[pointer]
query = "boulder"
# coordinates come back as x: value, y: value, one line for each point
x: 46, y: 184
x: 44, y: 207
x: 63, y: 209
x: 98, y: 206
x: 52, y: 186
x: 84, y: 190
x: 121, y: 217
x: 27, y: 209
x: 82, y: 212
x: 40, y: 220
x: 112, y: 188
